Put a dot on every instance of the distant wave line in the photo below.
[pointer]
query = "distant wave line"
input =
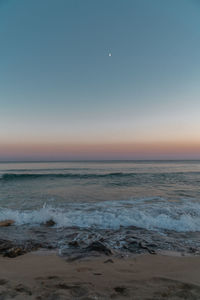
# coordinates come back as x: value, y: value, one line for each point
x: 13, y: 176
x: 10, y: 176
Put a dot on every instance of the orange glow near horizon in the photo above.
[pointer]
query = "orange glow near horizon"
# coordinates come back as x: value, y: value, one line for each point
x: 156, y: 150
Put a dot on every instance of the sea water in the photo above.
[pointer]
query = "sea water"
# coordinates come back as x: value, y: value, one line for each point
x: 155, y: 195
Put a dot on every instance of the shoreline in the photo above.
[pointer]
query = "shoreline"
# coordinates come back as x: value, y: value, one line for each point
x: 74, y: 241
x: 45, y: 275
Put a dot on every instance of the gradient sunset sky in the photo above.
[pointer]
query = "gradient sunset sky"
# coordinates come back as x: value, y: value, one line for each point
x: 63, y: 97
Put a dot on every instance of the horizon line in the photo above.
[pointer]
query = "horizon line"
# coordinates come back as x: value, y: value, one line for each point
x: 98, y: 160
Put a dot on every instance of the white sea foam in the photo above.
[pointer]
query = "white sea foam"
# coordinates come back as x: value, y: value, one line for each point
x: 149, y: 213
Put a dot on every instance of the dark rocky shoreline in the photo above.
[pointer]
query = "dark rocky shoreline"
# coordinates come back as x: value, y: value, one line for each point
x: 74, y: 243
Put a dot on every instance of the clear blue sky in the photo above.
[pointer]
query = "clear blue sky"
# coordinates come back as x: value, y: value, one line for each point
x: 61, y: 91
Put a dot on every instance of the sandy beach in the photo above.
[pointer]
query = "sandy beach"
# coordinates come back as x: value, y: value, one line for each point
x: 43, y: 275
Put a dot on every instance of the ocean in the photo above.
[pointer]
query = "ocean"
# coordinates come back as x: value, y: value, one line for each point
x: 159, y: 198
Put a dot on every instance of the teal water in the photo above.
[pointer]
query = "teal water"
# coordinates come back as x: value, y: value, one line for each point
x: 150, y: 194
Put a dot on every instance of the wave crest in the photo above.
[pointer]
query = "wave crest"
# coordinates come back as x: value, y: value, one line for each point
x: 152, y: 176
x: 148, y: 213
x: 13, y: 176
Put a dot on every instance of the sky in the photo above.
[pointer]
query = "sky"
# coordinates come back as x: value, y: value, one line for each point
x: 62, y: 96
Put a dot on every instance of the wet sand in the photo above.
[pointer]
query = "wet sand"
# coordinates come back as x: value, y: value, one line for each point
x: 42, y: 275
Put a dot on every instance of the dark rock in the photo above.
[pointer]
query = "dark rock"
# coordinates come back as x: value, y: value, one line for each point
x: 50, y: 223
x: 3, y: 281
x: 192, y: 250
x: 9, y: 249
x: 144, y: 246
x: 5, y: 245
x: 63, y: 286
x: 23, y: 289
x: 121, y: 290
x: 99, y: 247
x: 6, y: 223
x: 74, y: 244
x: 14, y: 252
x: 132, y: 246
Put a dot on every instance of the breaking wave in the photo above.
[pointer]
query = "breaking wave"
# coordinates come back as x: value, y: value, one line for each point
x: 149, y: 213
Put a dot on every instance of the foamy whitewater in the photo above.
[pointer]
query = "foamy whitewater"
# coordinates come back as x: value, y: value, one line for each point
x: 158, y: 215
x: 159, y: 196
